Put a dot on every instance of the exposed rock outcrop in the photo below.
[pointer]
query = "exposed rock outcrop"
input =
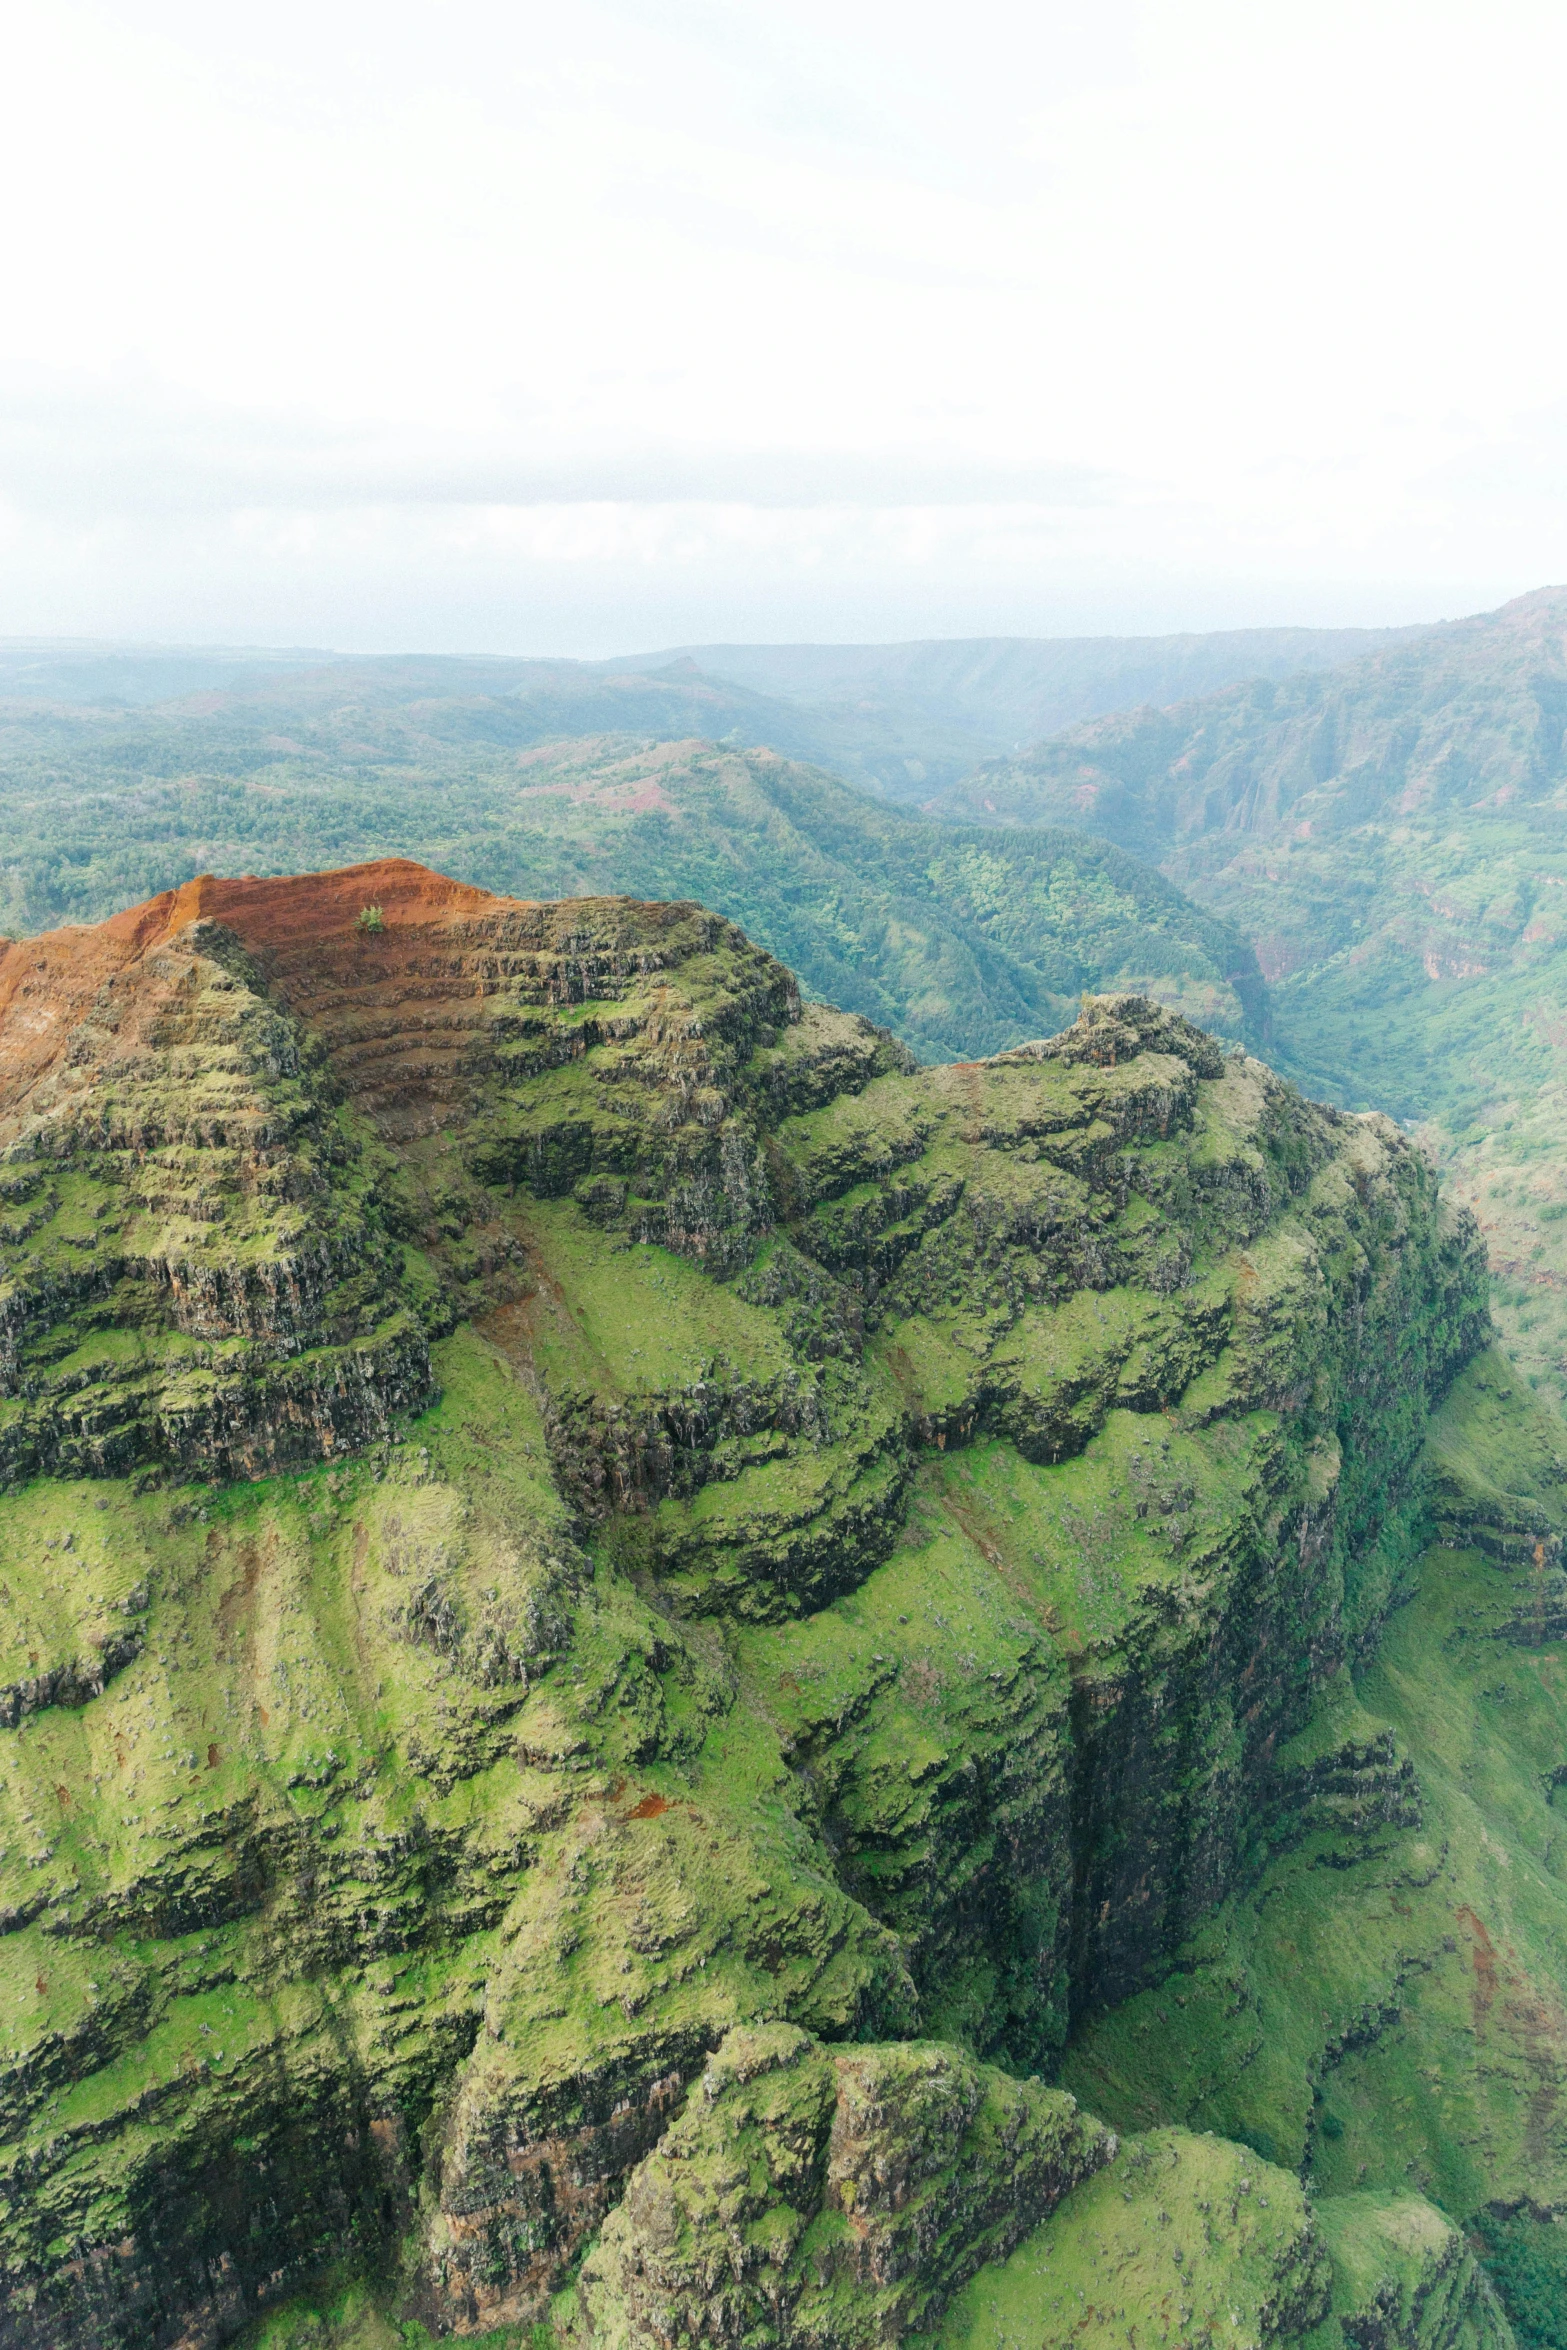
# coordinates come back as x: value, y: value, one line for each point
x: 829, y: 2198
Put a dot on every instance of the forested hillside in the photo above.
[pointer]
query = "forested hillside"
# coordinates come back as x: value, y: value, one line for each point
x: 960, y: 941
x: 1392, y: 838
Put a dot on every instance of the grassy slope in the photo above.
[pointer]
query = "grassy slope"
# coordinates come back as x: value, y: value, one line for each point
x: 1380, y: 2010
x: 1341, y: 2017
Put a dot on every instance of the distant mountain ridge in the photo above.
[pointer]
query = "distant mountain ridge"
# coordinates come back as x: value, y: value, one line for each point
x: 1460, y: 714
x: 83, y: 669
x: 901, y: 719
x: 1385, y: 834
x: 1011, y: 690
x: 960, y: 941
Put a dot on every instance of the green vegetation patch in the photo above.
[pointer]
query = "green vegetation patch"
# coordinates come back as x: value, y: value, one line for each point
x: 1182, y: 2238
x: 1527, y: 2261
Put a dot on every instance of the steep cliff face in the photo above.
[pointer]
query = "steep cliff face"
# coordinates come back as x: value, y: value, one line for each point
x: 829, y: 2196
x: 626, y: 1619
x: 196, y: 1272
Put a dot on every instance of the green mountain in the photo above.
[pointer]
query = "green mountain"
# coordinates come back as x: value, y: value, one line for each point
x: 989, y: 694
x: 960, y: 942
x: 900, y: 720
x: 113, y: 721
x: 669, y: 1681
x: 1391, y: 838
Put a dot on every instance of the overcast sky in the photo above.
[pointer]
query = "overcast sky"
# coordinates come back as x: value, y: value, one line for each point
x: 610, y: 324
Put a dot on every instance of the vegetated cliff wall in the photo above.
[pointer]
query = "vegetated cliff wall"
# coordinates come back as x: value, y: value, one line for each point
x: 767, y: 1537
x: 1388, y: 837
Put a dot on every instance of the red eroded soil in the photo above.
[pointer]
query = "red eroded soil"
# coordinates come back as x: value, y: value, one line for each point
x: 49, y: 984
x: 401, y: 1009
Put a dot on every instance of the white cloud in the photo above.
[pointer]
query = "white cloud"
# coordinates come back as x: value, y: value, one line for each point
x: 609, y: 323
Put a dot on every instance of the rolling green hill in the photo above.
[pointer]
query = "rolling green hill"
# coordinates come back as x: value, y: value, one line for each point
x: 960, y: 942
x: 900, y: 720
x: 1392, y: 837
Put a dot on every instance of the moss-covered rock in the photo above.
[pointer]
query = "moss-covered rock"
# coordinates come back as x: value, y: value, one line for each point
x: 808, y: 2196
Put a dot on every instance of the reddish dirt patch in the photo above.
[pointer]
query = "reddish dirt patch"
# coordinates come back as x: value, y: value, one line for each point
x: 307, y: 906
x: 514, y: 1328
x: 231, y: 1608
x: 48, y: 984
x: 651, y: 1807
x: 644, y: 797
x: 1483, y: 1996
x: 403, y: 1010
